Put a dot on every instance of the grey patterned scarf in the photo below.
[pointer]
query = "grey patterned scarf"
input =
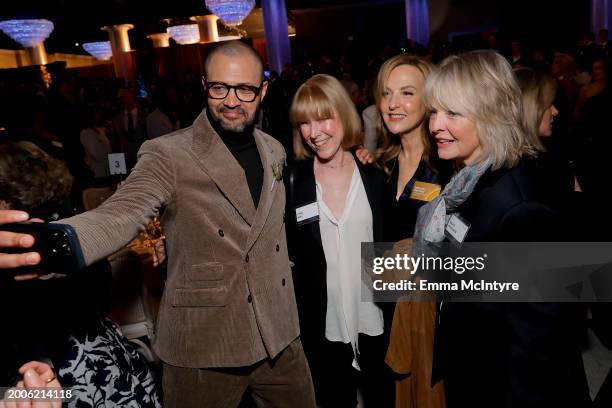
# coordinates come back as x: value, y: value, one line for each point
x: 432, y: 217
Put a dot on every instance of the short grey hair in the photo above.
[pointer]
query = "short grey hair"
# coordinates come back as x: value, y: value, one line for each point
x: 234, y: 48
x: 481, y: 86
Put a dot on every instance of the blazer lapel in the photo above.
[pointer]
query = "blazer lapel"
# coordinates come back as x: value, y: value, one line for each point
x: 305, y: 191
x: 373, y: 189
x: 217, y: 161
x: 367, y: 183
x: 268, y: 189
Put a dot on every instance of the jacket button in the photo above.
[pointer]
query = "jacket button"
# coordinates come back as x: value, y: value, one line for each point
x: 277, y: 248
x: 246, y: 259
x: 250, y: 299
x: 283, y: 281
x: 221, y: 233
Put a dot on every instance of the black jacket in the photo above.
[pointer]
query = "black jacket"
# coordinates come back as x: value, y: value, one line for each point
x: 306, y: 248
x: 400, y: 216
x: 510, y: 354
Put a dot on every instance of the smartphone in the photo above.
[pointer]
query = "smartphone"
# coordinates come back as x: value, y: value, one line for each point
x: 57, y: 244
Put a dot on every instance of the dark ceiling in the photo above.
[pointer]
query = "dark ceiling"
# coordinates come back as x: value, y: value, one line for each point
x: 78, y: 21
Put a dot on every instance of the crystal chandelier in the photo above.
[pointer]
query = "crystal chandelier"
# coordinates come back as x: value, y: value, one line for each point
x: 28, y: 33
x: 100, y: 49
x: 185, y: 34
x: 231, y: 12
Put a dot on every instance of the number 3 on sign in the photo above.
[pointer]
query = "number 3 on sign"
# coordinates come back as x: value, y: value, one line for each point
x: 116, y: 163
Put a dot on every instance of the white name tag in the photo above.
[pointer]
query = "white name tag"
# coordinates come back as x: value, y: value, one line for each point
x: 456, y: 229
x: 116, y: 163
x: 307, y: 213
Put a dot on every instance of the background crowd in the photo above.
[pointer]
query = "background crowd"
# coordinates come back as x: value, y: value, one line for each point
x: 81, y: 119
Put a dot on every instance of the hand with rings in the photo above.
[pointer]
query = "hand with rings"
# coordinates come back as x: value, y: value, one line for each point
x: 35, y: 375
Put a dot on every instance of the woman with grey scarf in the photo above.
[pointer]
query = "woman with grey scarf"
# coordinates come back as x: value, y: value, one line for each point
x: 493, y: 354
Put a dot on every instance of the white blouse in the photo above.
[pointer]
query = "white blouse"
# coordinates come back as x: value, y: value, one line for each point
x: 347, y: 313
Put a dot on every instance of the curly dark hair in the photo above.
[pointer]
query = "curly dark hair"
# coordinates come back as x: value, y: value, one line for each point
x: 31, y: 179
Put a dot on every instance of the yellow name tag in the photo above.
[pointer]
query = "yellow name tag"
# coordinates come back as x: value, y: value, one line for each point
x: 425, y: 191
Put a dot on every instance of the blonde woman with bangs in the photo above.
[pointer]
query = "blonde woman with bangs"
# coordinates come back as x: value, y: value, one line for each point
x: 489, y: 354
x: 333, y: 206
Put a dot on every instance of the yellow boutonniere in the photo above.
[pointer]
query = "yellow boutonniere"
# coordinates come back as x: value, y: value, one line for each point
x: 277, y: 170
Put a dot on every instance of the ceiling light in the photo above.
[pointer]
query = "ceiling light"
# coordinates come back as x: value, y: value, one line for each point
x: 185, y: 34
x: 28, y: 33
x: 231, y: 12
x: 100, y: 49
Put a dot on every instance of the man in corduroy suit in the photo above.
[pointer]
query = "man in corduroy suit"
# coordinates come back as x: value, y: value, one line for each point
x: 228, y: 320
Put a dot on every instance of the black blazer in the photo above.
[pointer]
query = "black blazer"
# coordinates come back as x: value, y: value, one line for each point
x: 306, y: 248
x: 510, y: 354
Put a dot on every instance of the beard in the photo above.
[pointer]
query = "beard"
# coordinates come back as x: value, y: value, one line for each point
x: 246, y: 125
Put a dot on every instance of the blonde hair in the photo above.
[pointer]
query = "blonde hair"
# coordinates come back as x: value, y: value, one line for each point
x: 539, y: 89
x: 323, y: 97
x: 482, y: 87
x: 390, y: 145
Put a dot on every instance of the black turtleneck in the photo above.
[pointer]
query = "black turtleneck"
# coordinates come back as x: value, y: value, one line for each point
x: 243, y: 147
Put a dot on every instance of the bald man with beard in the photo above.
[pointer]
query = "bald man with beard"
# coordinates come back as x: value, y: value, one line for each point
x: 228, y: 320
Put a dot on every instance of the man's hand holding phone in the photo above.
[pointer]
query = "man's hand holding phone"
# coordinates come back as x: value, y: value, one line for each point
x: 16, y: 240
x: 55, y: 248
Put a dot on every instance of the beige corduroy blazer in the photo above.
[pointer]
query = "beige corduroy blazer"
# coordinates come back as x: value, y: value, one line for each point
x: 229, y: 298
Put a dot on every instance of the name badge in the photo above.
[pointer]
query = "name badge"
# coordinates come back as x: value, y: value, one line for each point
x: 423, y: 191
x: 456, y: 229
x: 307, y: 213
x: 116, y: 163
